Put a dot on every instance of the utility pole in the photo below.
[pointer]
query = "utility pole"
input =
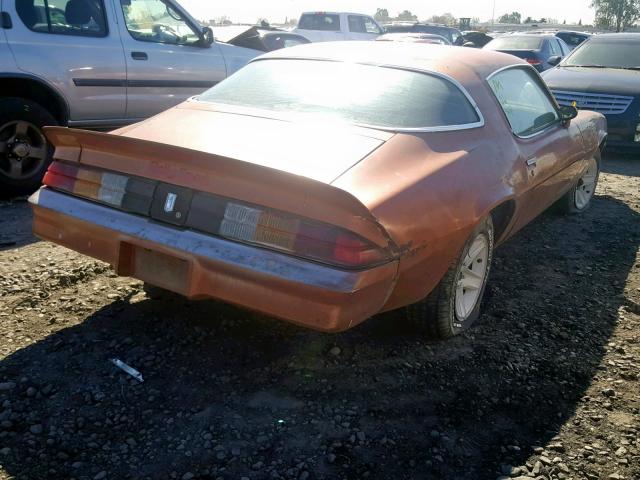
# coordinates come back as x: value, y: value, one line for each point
x: 493, y: 15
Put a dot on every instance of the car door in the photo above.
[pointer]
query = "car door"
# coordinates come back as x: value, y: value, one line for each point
x: 167, y: 61
x: 362, y: 27
x: 75, y: 46
x: 551, y: 153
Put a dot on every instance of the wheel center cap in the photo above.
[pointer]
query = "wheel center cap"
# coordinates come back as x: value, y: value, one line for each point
x: 21, y: 150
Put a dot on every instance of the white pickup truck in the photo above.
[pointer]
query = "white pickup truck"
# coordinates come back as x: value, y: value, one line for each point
x: 95, y: 64
x: 337, y: 26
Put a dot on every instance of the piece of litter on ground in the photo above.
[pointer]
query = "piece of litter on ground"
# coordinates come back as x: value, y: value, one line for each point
x: 126, y: 368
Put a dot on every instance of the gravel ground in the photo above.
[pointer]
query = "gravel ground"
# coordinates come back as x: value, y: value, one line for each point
x: 546, y: 386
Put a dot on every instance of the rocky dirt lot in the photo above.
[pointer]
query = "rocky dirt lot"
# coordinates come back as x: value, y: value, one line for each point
x: 547, y: 385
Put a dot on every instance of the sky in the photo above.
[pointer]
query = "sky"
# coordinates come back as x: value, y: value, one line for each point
x: 248, y: 11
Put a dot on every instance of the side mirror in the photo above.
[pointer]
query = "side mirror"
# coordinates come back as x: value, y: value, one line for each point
x: 469, y: 44
x: 568, y: 113
x: 207, y: 36
x: 555, y: 60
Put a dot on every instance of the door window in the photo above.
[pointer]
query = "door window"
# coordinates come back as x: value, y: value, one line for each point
x: 525, y: 101
x: 64, y: 17
x: 157, y: 21
x: 325, y: 22
x: 555, y: 47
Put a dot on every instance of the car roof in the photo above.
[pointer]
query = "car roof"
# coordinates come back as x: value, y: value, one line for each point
x: 456, y: 62
x: 615, y: 36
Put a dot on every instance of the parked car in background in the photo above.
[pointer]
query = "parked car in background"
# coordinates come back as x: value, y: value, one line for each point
x: 359, y: 177
x: 479, y: 39
x: 413, y: 38
x: 541, y: 51
x: 452, y: 34
x: 603, y: 75
x: 572, y: 39
x: 337, y: 26
x: 257, y: 38
x: 95, y: 64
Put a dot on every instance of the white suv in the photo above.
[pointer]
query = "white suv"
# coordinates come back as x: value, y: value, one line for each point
x: 337, y: 26
x: 95, y: 64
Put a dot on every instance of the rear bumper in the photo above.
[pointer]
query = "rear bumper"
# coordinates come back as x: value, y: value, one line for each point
x: 200, y: 266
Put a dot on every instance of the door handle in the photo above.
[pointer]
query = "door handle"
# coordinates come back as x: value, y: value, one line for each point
x: 139, y: 56
x: 532, y: 162
x: 6, y: 21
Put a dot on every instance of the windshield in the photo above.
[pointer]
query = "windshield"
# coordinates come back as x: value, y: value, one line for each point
x: 359, y: 94
x: 515, y: 43
x: 613, y: 54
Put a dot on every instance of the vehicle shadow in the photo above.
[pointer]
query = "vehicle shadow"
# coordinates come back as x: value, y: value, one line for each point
x: 14, y: 230
x: 228, y: 393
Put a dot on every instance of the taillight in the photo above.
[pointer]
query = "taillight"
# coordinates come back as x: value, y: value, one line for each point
x: 284, y: 232
x: 533, y: 61
x: 224, y: 217
x: 130, y: 194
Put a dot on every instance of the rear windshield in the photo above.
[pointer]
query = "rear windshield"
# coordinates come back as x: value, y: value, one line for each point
x: 515, y: 43
x: 326, y: 22
x: 360, y: 94
x: 606, y: 53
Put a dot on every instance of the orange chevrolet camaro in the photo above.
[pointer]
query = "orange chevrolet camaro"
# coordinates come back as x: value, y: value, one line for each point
x: 325, y: 183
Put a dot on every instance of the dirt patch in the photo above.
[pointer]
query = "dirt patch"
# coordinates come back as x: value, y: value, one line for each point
x: 546, y: 386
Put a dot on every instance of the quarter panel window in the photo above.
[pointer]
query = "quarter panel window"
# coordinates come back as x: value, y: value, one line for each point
x: 525, y: 101
x: 157, y: 21
x: 84, y: 18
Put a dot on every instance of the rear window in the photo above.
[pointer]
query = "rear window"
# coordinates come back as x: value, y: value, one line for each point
x: 361, y: 94
x: 326, y: 22
x: 613, y: 53
x: 515, y: 43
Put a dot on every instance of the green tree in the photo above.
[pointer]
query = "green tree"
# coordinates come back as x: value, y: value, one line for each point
x: 407, y: 16
x: 382, y: 15
x: 445, y: 19
x: 616, y: 14
x: 514, y: 17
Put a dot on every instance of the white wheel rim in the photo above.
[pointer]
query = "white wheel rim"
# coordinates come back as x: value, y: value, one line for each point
x: 587, y: 185
x: 471, y: 277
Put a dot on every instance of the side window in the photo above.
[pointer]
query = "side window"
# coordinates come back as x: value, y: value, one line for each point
x: 555, y: 47
x: 371, y: 26
x: 156, y: 21
x: 85, y: 18
x: 356, y: 24
x: 525, y: 101
x: 320, y: 21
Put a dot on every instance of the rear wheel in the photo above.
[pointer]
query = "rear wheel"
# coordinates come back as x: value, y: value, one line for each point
x: 24, y: 151
x: 578, y: 199
x: 455, y: 303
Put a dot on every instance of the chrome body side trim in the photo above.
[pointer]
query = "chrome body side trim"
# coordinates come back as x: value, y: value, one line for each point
x: 200, y: 245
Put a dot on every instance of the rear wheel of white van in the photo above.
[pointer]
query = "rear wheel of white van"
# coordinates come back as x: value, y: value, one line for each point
x: 25, y: 153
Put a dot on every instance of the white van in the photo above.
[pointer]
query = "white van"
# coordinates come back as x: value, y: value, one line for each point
x: 336, y: 26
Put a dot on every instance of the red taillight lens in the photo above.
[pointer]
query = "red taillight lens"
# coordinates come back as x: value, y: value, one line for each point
x: 533, y: 61
x: 284, y: 232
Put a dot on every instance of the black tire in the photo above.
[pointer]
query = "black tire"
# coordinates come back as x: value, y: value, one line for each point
x: 437, y: 314
x: 568, y: 203
x: 14, y: 112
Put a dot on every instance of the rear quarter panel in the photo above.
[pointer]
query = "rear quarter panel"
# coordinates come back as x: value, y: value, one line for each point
x: 429, y: 191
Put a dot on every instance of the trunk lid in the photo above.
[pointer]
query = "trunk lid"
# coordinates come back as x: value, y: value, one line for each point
x: 313, y: 150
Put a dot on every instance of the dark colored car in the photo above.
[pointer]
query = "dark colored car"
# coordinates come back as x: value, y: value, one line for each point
x: 573, y: 39
x: 479, y: 39
x: 603, y: 75
x: 258, y: 38
x: 541, y: 51
x: 452, y: 34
